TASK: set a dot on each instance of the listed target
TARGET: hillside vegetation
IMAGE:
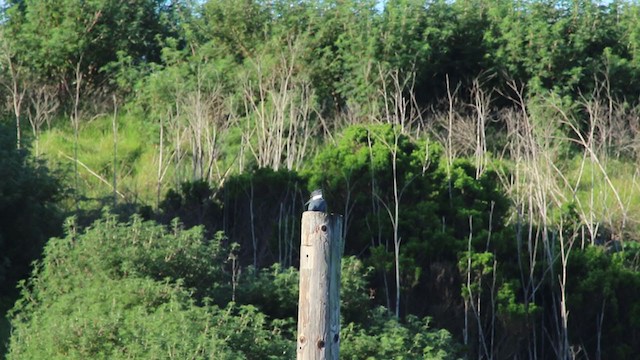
(483, 153)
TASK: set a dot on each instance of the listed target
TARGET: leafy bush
(358, 181)
(117, 319)
(193, 205)
(387, 338)
(135, 249)
(274, 290)
(604, 291)
(137, 290)
(435, 205)
(261, 212)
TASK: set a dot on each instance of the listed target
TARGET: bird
(316, 202)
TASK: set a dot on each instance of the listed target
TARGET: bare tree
(534, 190)
(476, 269)
(16, 84)
(114, 125)
(75, 122)
(563, 348)
(279, 105)
(461, 129)
(538, 187)
(481, 106)
(287, 223)
(401, 111)
(205, 112)
(174, 133)
(162, 166)
(44, 104)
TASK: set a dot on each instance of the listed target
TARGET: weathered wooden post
(319, 300)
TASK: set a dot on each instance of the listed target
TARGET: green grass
(136, 160)
(609, 200)
(610, 192)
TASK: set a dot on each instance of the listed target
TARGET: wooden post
(319, 300)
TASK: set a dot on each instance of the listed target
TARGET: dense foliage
(29, 213)
(484, 155)
(137, 289)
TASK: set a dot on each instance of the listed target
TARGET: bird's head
(316, 194)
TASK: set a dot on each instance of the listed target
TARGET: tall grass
(614, 204)
(135, 158)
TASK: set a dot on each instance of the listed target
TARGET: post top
(320, 214)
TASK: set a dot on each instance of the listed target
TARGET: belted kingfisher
(316, 202)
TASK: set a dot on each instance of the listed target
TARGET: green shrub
(137, 290)
(387, 338)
